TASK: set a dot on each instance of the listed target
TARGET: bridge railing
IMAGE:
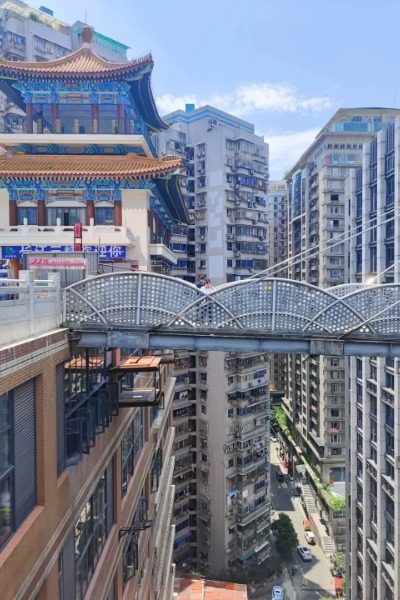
(257, 307)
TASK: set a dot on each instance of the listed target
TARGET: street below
(310, 580)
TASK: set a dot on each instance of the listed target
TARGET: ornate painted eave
(170, 188)
(142, 92)
(72, 167)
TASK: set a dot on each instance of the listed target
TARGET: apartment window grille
(373, 199)
(156, 469)
(90, 536)
(131, 447)
(389, 441)
(90, 402)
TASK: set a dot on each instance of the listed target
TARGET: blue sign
(104, 251)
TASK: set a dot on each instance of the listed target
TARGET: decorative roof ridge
(82, 52)
(59, 166)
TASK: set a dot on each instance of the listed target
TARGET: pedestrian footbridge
(152, 311)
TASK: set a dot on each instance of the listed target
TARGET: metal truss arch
(255, 308)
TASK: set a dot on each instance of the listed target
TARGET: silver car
(304, 553)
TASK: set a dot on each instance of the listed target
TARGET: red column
(121, 118)
(13, 213)
(118, 214)
(55, 116)
(29, 120)
(89, 211)
(41, 213)
(95, 118)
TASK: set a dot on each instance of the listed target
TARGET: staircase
(328, 545)
(309, 500)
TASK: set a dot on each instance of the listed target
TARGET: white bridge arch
(281, 315)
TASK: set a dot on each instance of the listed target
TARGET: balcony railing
(28, 306)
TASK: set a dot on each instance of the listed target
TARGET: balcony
(32, 237)
(138, 379)
(9, 140)
(160, 250)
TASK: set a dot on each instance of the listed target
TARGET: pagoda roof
(85, 64)
(67, 167)
(163, 172)
(82, 62)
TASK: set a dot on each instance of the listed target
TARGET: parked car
(277, 592)
(304, 553)
(273, 438)
(310, 537)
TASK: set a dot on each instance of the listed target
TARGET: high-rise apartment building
(374, 455)
(277, 213)
(226, 240)
(315, 399)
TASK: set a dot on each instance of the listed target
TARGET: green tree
(339, 563)
(286, 536)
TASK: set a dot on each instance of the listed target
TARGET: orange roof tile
(82, 61)
(56, 167)
(138, 363)
(201, 589)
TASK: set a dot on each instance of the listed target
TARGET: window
(28, 213)
(104, 216)
(131, 446)
(67, 215)
(156, 469)
(90, 536)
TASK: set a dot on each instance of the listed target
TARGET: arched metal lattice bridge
(147, 310)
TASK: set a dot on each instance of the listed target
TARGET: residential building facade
(315, 400)
(277, 211)
(226, 240)
(374, 542)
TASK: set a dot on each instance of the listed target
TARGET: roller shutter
(24, 449)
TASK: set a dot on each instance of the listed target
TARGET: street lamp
(135, 528)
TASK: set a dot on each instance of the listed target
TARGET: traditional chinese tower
(87, 157)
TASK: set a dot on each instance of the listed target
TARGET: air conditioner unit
(251, 171)
(202, 237)
(236, 186)
(213, 122)
(237, 254)
(237, 202)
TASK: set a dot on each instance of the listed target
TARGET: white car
(310, 537)
(274, 438)
(304, 553)
(277, 592)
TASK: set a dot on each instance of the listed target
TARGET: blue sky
(285, 65)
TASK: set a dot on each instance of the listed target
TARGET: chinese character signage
(104, 251)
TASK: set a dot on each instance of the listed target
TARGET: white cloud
(286, 148)
(251, 97)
